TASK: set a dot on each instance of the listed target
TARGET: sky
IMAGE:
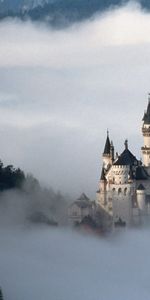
(59, 92)
(61, 89)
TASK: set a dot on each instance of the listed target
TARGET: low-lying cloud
(43, 263)
(36, 45)
(61, 90)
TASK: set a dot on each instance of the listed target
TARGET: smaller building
(81, 208)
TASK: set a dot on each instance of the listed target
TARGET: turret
(140, 193)
(112, 151)
(126, 144)
(102, 185)
(108, 154)
(146, 134)
(101, 193)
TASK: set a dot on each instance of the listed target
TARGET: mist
(52, 264)
(33, 205)
(61, 90)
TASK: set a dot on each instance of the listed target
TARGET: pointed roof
(83, 201)
(83, 197)
(141, 187)
(141, 173)
(131, 176)
(146, 117)
(107, 145)
(126, 158)
(103, 174)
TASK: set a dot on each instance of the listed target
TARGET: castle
(124, 186)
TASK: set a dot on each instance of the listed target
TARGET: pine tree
(1, 295)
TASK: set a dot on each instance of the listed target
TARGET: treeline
(36, 203)
(1, 295)
(10, 177)
(44, 205)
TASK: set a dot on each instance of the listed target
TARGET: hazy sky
(61, 90)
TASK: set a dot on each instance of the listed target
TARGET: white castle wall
(146, 160)
(146, 184)
(122, 201)
(141, 200)
(118, 174)
(107, 160)
(146, 138)
(122, 209)
(146, 147)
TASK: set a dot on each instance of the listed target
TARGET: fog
(61, 90)
(44, 264)
(32, 204)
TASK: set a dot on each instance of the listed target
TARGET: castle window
(113, 190)
(74, 213)
(125, 191)
(119, 191)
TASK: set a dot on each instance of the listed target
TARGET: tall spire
(146, 134)
(112, 150)
(126, 144)
(107, 132)
(103, 174)
(107, 144)
(146, 117)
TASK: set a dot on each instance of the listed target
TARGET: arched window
(119, 191)
(125, 191)
(113, 190)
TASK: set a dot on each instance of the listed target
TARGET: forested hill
(38, 204)
(59, 12)
(10, 177)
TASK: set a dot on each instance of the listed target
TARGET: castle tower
(140, 192)
(108, 154)
(146, 134)
(102, 187)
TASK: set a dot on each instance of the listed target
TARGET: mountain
(59, 12)
(15, 6)
(62, 12)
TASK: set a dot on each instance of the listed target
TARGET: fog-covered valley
(59, 92)
(39, 263)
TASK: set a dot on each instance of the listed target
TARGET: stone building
(124, 186)
(80, 209)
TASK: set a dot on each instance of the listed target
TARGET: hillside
(38, 204)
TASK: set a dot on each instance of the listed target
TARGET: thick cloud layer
(61, 90)
(28, 45)
(44, 264)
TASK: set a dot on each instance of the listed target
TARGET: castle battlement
(124, 185)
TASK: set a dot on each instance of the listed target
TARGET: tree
(1, 294)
